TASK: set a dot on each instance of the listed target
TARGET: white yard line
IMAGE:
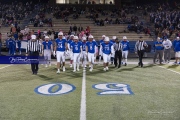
(169, 69)
(4, 67)
(83, 97)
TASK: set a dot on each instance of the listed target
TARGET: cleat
(70, 65)
(46, 65)
(77, 69)
(90, 70)
(64, 69)
(104, 69)
(74, 70)
(58, 72)
(107, 68)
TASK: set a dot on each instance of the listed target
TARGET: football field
(128, 93)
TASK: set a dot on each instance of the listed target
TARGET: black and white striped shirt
(118, 46)
(140, 45)
(34, 46)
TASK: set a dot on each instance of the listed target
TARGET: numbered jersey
(91, 46)
(83, 46)
(61, 45)
(47, 45)
(76, 47)
(125, 45)
(106, 48)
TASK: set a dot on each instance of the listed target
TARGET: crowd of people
(13, 13)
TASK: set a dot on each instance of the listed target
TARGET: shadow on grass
(44, 77)
(173, 66)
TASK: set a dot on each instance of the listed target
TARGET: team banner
(22, 60)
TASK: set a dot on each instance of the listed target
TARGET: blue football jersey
(106, 48)
(91, 46)
(47, 45)
(125, 45)
(61, 44)
(83, 46)
(76, 47)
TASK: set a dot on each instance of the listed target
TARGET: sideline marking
(4, 67)
(83, 97)
(169, 69)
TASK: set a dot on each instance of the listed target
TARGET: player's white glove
(86, 53)
(54, 53)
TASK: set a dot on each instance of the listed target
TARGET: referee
(34, 48)
(140, 49)
(118, 52)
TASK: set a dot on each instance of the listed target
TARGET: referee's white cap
(33, 37)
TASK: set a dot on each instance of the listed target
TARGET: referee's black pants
(140, 54)
(118, 55)
(34, 65)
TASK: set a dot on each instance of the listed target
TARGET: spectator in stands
(71, 28)
(66, 19)
(39, 33)
(75, 28)
(45, 32)
(80, 28)
(41, 24)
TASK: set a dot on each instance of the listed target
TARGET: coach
(34, 48)
(158, 50)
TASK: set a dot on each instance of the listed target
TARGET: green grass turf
(1, 66)
(18, 100)
(156, 94)
(173, 67)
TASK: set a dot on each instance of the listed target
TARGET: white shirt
(167, 44)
